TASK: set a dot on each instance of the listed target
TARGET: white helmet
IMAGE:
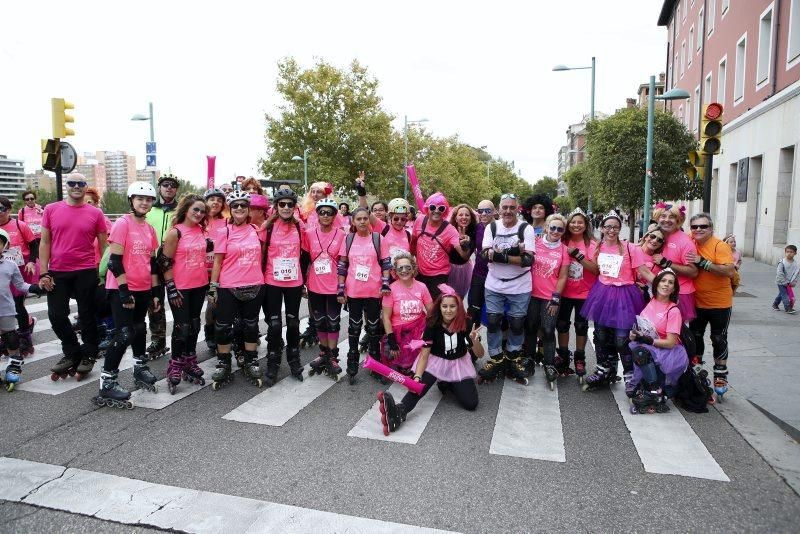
(5, 238)
(235, 195)
(327, 203)
(398, 205)
(142, 189)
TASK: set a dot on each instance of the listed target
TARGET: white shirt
(505, 239)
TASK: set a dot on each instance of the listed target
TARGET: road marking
(528, 423)
(136, 502)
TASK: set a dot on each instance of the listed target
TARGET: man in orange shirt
(714, 295)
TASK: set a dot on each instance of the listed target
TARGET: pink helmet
(259, 202)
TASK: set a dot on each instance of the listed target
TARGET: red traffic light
(714, 111)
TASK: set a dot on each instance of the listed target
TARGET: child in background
(786, 278)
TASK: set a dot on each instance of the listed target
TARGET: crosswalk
(528, 422)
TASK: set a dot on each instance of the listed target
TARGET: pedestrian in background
(786, 278)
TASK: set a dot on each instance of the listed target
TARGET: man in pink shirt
(68, 268)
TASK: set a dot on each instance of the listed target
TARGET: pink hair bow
(447, 290)
(415, 344)
(328, 188)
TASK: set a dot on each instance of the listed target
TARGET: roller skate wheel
(201, 381)
(10, 387)
(216, 386)
(71, 372)
(258, 382)
(552, 386)
(172, 388)
(335, 378)
(586, 386)
(634, 410)
(54, 377)
(79, 376)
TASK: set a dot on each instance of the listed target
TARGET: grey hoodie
(787, 272)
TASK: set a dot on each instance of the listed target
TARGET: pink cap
(259, 201)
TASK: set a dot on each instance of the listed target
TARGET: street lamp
(140, 117)
(672, 94)
(560, 68)
(304, 159)
(405, 144)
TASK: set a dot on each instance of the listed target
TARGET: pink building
(745, 55)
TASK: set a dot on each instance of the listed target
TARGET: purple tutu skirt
(613, 306)
(404, 333)
(460, 278)
(450, 370)
(686, 306)
(672, 362)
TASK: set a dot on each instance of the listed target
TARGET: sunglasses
(239, 206)
(699, 226)
(404, 269)
(655, 237)
(400, 219)
(557, 229)
(504, 196)
(285, 204)
(170, 185)
(199, 210)
(29, 199)
(3, 209)
(434, 207)
(611, 228)
(73, 183)
(326, 213)
(485, 211)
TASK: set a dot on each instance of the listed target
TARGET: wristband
(665, 263)
(46, 275)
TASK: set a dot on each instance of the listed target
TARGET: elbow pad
(209, 245)
(341, 268)
(115, 264)
(153, 265)
(34, 248)
(164, 262)
(386, 264)
(526, 260)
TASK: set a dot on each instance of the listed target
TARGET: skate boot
(3, 349)
(317, 365)
(648, 400)
(552, 374)
(332, 368)
(65, 366)
(26, 340)
(720, 381)
(529, 364)
(273, 364)
(111, 393)
(561, 362)
(222, 374)
(157, 348)
(174, 373)
(630, 389)
(309, 337)
(76, 323)
(392, 415)
(493, 368)
(580, 365)
(515, 367)
(13, 373)
(353, 356)
(142, 376)
(84, 368)
(363, 344)
(293, 359)
(251, 369)
(106, 339)
(602, 376)
(210, 343)
(191, 371)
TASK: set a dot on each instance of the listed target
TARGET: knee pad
(292, 322)
(11, 339)
(563, 327)
(581, 327)
(123, 336)
(374, 328)
(474, 313)
(275, 325)
(602, 337)
(495, 321)
(195, 325)
(250, 330)
(182, 331)
(223, 333)
(621, 344)
(718, 340)
(320, 322)
(334, 324)
(354, 328)
(642, 356)
(517, 325)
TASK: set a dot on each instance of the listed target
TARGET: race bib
(209, 260)
(575, 270)
(15, 254)
(322, 266)
(609, 264)
(285, 270)
(362, 273)
(35, 228)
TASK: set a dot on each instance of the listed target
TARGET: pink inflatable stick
(391, 374)
(212, 163)
(412, 179)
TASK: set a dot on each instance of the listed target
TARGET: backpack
(376, 242)
(693, 390)
(434, 236)
(521, 237)
(386, 229)
(269, 240)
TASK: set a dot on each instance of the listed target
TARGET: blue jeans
(783, 296)
(517, 307)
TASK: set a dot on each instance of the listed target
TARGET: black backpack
(376, 242)
(434, 236)
(694, 388)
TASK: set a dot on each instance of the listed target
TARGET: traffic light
(51, 155)
(695, 165)
(60, 118)
(711, 129)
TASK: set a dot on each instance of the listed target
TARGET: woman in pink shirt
(465, 222)
(676, 253)
(237, 289)
(133, 287)
(659, 357)
(404, 311)
(549, 273)
(363, 271)
(651, 243)
(31, 213)
(308, 214)
(613, 303)
(582, 273)
(323, 244)
(215, 219)
(183, 264)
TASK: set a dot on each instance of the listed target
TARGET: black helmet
(214, 192)
(284, 194)
(169, 178)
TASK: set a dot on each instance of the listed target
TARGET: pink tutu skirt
(613, 306)
(686, 306)
(450, 370)
(672, 362)
(460, 278)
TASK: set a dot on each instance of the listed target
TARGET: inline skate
(648, 400)
(174, 373)
(192, 372)
(515, 367)
(66, 366)
(392, 414)
(111, 393)
(157, 348)
(251, 369)
(293, 359)
(222, 374)
(561, 362)
(309, 337)
(580, 365)
(353, 356)
(494, 367)
(602, 376)
(13, 373)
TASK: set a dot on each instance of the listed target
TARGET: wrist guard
(125, 295)
(172, 290)
(385, 283)
(361, 190)
(341, 267)
(644, 340)
(36, 290)
(703, 263)
(391, 340)
(500, 257)
(665, 263)
(340, 290)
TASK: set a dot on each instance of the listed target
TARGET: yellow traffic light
(711, 129)
(51, 154)
(695, 165)
(60, 118)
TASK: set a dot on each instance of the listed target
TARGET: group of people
(526, 272)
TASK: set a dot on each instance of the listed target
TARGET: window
(685, 5)
(725, 6)
(722, 80)
(677, 65)
(670, 80)
(690, 48)
(696, 117)
(700, 34)
(707, 98)
(687, 120)
(793, 49)
(764, 47)
(680, 114)
(683, 58)
(712, 13)
(738, 81)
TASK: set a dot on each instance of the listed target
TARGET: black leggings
(186, 325)
(465, 391)
(23, 319)
(432, 283)
(290, 297)
(229, 307)
(371, 307)
(538, 317)
(477, 298)
(718, 319)
(130, 328)
(81, 286)
(325, 311)
(565, 314)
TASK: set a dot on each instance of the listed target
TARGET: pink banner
(412, 179)
(212, 163)
(391, 374)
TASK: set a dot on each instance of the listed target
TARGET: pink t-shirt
(138, 242)
(19, 235)
(648, 262)
(616, 270)
(433, 257)
(323, 247)
(212, 228)
(397, 241)
(547, 267)
(579, 280)
(33, 218)
(189, 270)
(283, 256)
(676, 246)
(363, 270)
(407, 303)
(241, 245)
(665, 316)
(73, 230)
(98, 254)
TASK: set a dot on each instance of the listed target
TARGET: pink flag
(212, 162)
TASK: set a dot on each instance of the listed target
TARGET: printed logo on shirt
(575, 270)
(546, 264)
(409, 309)
(249, 255)
(140, 248)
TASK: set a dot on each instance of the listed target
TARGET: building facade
(12, 177)
(746, 56)
(120, 170)
(40, 180)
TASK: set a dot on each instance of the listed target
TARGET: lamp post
(405, 145)
(560, 68)
(149, 117)
(672, 94)
(304, 159)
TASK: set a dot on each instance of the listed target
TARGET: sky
(480, 70)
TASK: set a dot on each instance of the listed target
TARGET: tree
(114, 203)
(546, 186)
(186, 187)
(565, 204)
(43, 198)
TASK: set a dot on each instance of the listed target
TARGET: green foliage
(186, 187)
(114, 203)
(547, 186)
(565, 204)
(43, 198)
